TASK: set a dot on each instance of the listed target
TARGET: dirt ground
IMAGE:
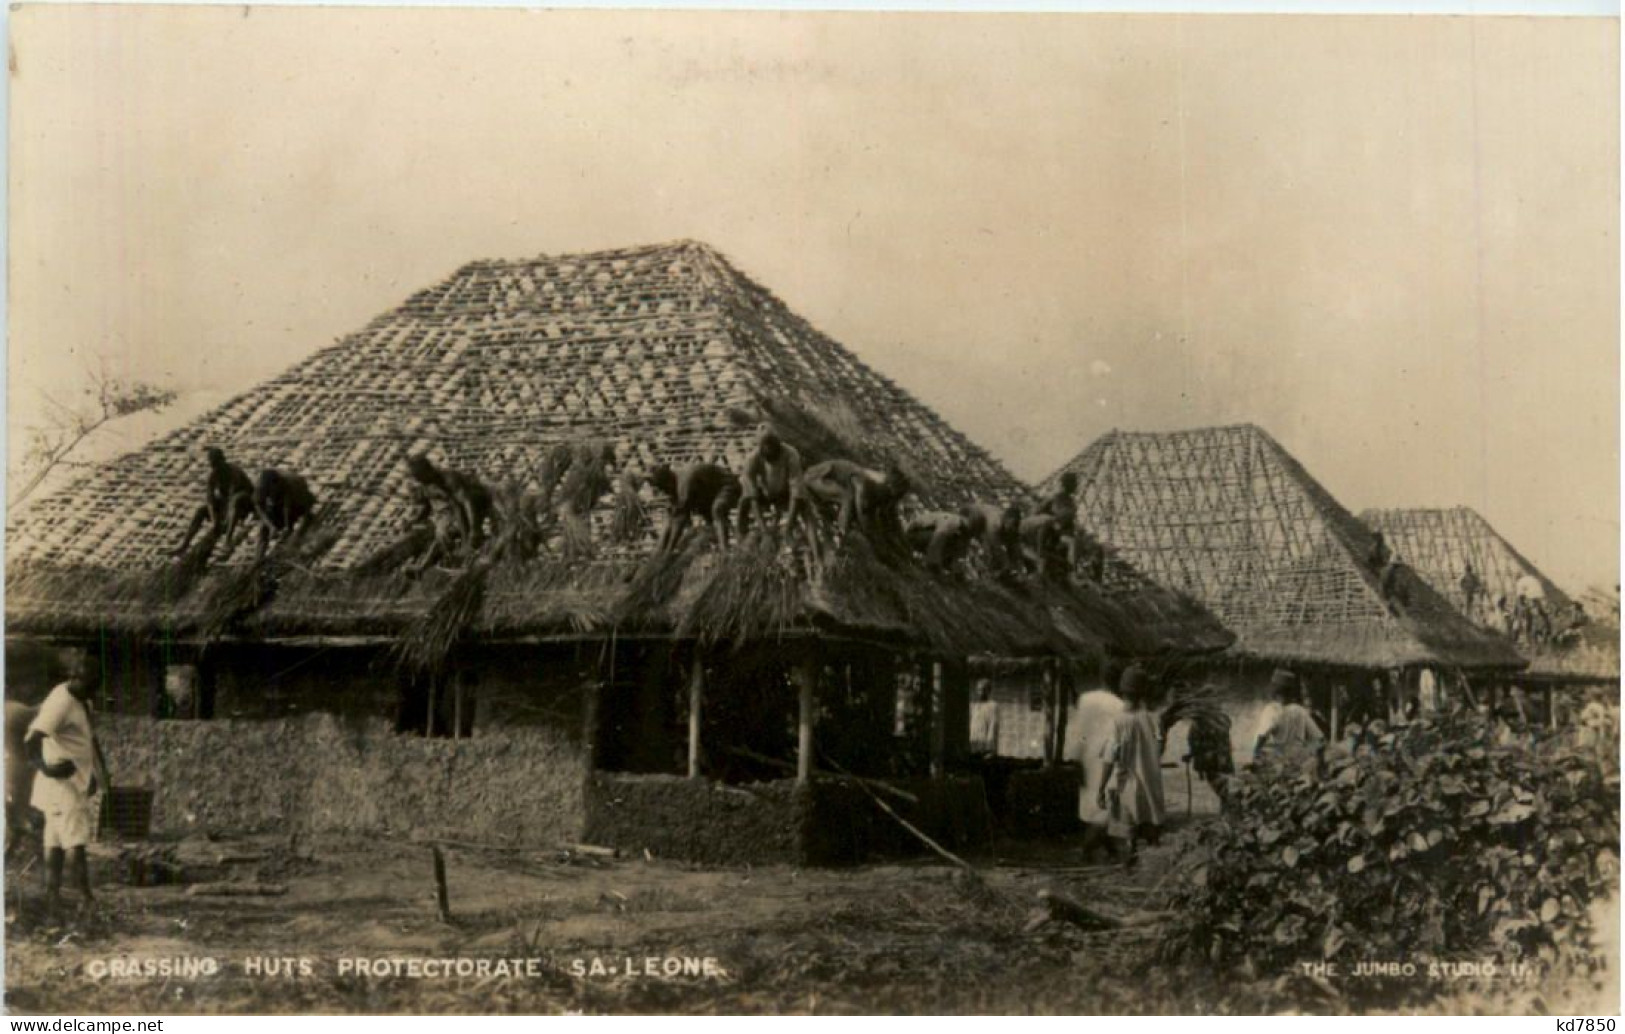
(906, 937)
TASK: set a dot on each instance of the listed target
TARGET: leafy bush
(1431, 844)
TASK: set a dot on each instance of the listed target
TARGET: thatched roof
(1226, 515)
(669, 354)
(1439, 544)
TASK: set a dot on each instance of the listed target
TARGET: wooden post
(939, 724)
(457, 706)
(696, 690)
(428, 725)
(1551, 709)
(956, 704)
(925, 706)
(805, 674)
(1054, 713)
(1336, 692)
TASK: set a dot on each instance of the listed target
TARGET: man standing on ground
(1131, 785)
(984, 720)
(62, 748)
(1294, 732)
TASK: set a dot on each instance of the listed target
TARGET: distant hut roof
(666, 352)
(1440, 543)
(1226, 515)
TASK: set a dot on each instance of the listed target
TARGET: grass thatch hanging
(239, 592)
(243, 591)
(752, 591)
(172, 581)
(657, 581)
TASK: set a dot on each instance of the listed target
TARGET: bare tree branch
(49, 446)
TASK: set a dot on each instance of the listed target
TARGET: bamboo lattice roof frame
(1228, 516)
(668, 352)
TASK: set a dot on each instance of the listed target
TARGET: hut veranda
(1228, 516)
(571, 681)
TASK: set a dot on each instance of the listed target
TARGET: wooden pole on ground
(442, 899)
(805, 674)
(696, 691)
(428, 726)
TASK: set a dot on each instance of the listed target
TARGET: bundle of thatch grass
(630, 520)
(425, 647)
(551, 593)
(814, 439)
(583, 472)
(170, 582)
(1199, 705)
(752, 591)
(395, 556)
(872, 583)
(242, 591)
(656, 582)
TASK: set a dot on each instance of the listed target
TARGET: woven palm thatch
(664, 354)
(1439, 544)
(1226, 515)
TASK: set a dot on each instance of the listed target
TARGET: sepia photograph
(791, 512)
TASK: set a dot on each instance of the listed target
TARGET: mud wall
(1041, 801)
(825, 822)
(320, 773)
(695, 820)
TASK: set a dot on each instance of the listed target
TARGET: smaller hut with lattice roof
(1487, 579)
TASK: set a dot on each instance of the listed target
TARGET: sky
(1390, 241)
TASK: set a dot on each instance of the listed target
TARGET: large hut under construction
(1483, 576)
(573, 682)
(1227, 516)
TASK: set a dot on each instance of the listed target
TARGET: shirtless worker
(772, 481)
(944, 538)
(1001, 535)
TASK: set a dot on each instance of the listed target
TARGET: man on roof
(1472, 590)
(772, 482)
(1530, 609)
(944, 539)
(1063, 502)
